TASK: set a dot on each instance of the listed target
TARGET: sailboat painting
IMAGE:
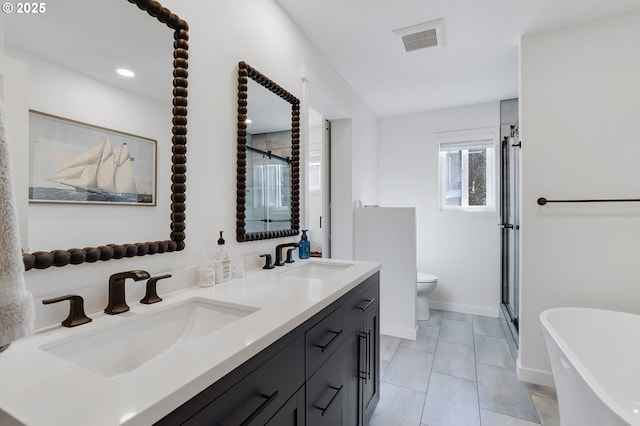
(73, 162)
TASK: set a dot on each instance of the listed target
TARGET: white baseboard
(397, 331)
(465, 309)
(531, 375)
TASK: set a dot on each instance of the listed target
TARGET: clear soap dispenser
(305, 246)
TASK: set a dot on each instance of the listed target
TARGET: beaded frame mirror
(75, 256)
(246, 72)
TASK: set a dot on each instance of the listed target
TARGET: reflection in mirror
(268, 158)
(268, 203)
(71, 48)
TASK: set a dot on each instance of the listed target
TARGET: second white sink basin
(130, 343)
(315, 270)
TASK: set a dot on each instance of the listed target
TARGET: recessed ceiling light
(125, 72)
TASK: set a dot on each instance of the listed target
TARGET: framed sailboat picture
(74, 162)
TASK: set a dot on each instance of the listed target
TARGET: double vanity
(294, 345)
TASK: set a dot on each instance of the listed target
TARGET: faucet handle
(151, 295)
(76, 310)
(290, 255)
(267, 264)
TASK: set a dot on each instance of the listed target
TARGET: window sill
(466, 212)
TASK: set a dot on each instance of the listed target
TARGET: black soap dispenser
(304, 252)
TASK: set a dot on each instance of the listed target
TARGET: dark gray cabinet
(362, 346)
(324, 372)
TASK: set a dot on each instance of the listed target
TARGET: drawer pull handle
(336, 334)
(338, 390)
(368, 303)
(260, 409)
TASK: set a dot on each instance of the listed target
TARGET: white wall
(580, 103)
(13, 91)
(222, 33)
(314, 202)
(365, 158)
(379, 239)
(260, 33)
(354, 161)
(2, 35)
(342, 193)
(462, 249)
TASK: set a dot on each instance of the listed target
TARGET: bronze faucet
(279, 247)
(117, 302)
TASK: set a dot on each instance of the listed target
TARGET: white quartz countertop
(39, 388)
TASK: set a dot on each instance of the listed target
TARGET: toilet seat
(423, 277)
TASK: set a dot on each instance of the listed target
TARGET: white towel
(16, 303)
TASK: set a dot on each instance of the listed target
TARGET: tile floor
(459, 372)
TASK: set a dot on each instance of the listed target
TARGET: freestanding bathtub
(595, 358)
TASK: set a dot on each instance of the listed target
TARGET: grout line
(513, 417)
(475, 365)
(433, 361)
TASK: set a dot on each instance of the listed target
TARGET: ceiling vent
(421, 36)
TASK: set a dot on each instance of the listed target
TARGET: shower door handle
(505, 225)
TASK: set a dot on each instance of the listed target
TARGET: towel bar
(542, 201)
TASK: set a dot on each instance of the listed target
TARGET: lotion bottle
(222, 262)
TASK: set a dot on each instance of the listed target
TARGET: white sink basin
(130, 343)
(315, 270)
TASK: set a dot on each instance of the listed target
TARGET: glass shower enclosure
(510, 227)
(268, 193)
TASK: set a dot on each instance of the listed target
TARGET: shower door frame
(510, 227)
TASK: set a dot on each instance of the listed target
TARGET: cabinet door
(362, 351)
(363, 376)
(326, 392)
(354, 354)
(371, 367)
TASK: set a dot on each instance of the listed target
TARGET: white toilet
(426, 283)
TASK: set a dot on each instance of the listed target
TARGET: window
(467, 172)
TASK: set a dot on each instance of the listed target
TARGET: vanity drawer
(322, 340)
(359, 304)
(258, 396)
(326, 392)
